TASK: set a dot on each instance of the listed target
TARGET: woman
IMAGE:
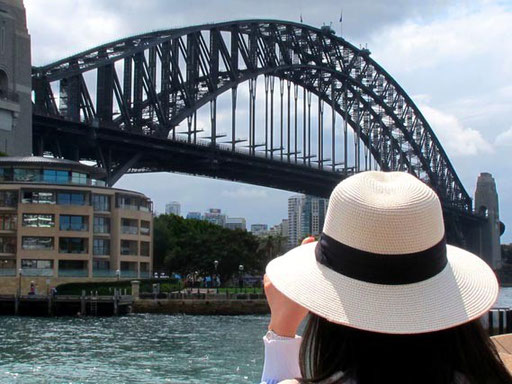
(388, 300)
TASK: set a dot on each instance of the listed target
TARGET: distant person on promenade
(388, 300)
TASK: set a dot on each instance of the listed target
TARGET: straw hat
(382, 263)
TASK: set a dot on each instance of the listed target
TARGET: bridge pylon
(487, 205)
(15, 80)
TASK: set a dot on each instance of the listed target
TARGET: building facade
(15, 80)
(259, 229)
(60, 223)
(295, 206)
(306, 216)
(173, 208)
(215, 216)
(194, 215)
(236, 223)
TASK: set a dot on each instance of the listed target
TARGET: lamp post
(20, 273)
(241, 276)
(216, 264)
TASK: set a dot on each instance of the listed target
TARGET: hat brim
(463, 291)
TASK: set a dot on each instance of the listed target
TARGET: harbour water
(136, 349)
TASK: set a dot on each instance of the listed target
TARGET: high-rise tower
(15, 80)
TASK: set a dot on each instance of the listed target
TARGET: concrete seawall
(202, 307)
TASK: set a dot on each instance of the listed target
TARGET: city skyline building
(194, 215)
(236, 223)
(215, 216)
(306, 216)
(173, 208)
(295, 206)
(259, 229)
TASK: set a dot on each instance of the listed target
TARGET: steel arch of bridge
(149, 84)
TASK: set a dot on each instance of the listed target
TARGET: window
(30, 175)
(72, 245)
(8, 222)
(7, 245)
(56, 177)
(71, 198)
(101, 224)
(144, 227)
(101, 203)
(128, 202)
(38, 197)
(6, 174)
(73, 223)
(101, 247)
(101, 265)
(128, 269)
(38, 220)
(73, 268)
(8, 198)
(37, 264)
(144, 267)
(146, 205)
(37, 243)
(144, 248)
(129, 226)
(78, 178)
(129, 247)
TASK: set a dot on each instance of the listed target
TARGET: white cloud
(245, 193)
(504, 139)
(456, 139)
(461, 35)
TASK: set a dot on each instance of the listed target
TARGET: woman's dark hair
(368, 357)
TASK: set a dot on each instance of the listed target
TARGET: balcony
(129, 230)
(73, 273)
(33, 272)
(128, 273)
(144, 231)
(145, 275)
(74, 227)
(7, 272)
(103, 273)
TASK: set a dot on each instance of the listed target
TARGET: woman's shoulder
(293, 381)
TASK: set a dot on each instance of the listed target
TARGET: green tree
(186, 246)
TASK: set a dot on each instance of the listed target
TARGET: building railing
(103, 273)
(73, 273)
(130, 230)
(130, 207)
(4, 272)
(128, 273)
(74, 227)
(101, 229)
(40, 179)
(144, 231)
(145, 275)
(101, 251)
(37, 272)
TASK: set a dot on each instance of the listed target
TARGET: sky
(452, 57)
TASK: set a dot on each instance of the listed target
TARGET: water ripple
(132, 349)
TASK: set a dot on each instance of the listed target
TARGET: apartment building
(59, 222)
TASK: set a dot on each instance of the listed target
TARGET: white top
(281, 359)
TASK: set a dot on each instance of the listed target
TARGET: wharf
(65, 305)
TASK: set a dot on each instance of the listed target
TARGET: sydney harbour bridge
(272, 103)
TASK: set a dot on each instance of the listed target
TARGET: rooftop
(50, 162)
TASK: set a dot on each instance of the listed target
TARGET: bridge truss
(314, 106)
